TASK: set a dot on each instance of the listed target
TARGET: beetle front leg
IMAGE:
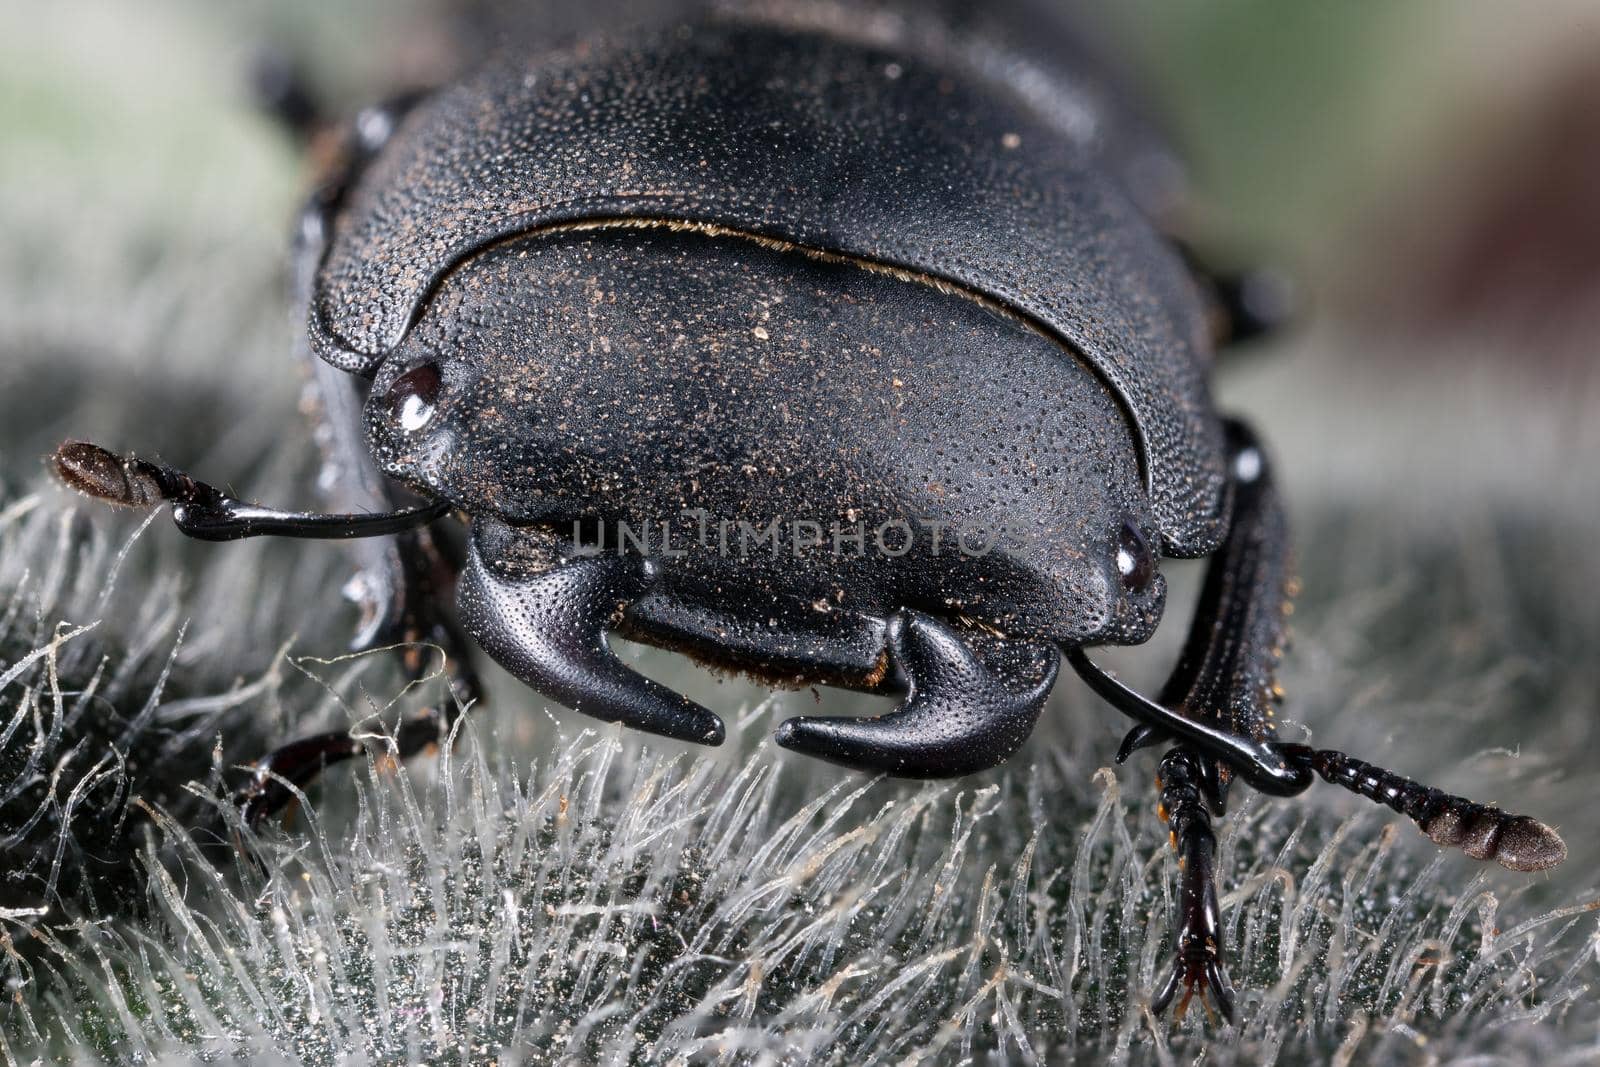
(403, 583)
(1218, 706)
(302, 761)
(205, 512)
(1219, 699)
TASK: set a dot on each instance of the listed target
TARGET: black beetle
(813, 348)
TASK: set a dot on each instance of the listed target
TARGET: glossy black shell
(827, 143)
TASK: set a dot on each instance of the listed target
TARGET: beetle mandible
(816, 349)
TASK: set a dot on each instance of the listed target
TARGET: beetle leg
(281, 90)
(1219, 699)
(1244, 304)
(298, 762)
(1139, 736)
(1265, 766)
(402, 583)
(964, 711)
(549, 629)
(1218, 706)
(1197, 964)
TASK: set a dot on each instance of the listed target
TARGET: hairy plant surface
(557, 896)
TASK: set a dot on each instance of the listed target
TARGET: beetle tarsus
(1197, 942)
(1217, 707)
(966, 710)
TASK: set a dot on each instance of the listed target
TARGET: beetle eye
(1135, 562)
(414, 396)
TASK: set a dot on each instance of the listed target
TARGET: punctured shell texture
(643, 375)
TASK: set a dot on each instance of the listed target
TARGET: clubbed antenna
(95, 472)
(206, 512)
(1517, 842)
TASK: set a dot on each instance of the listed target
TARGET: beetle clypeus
(815, 348)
